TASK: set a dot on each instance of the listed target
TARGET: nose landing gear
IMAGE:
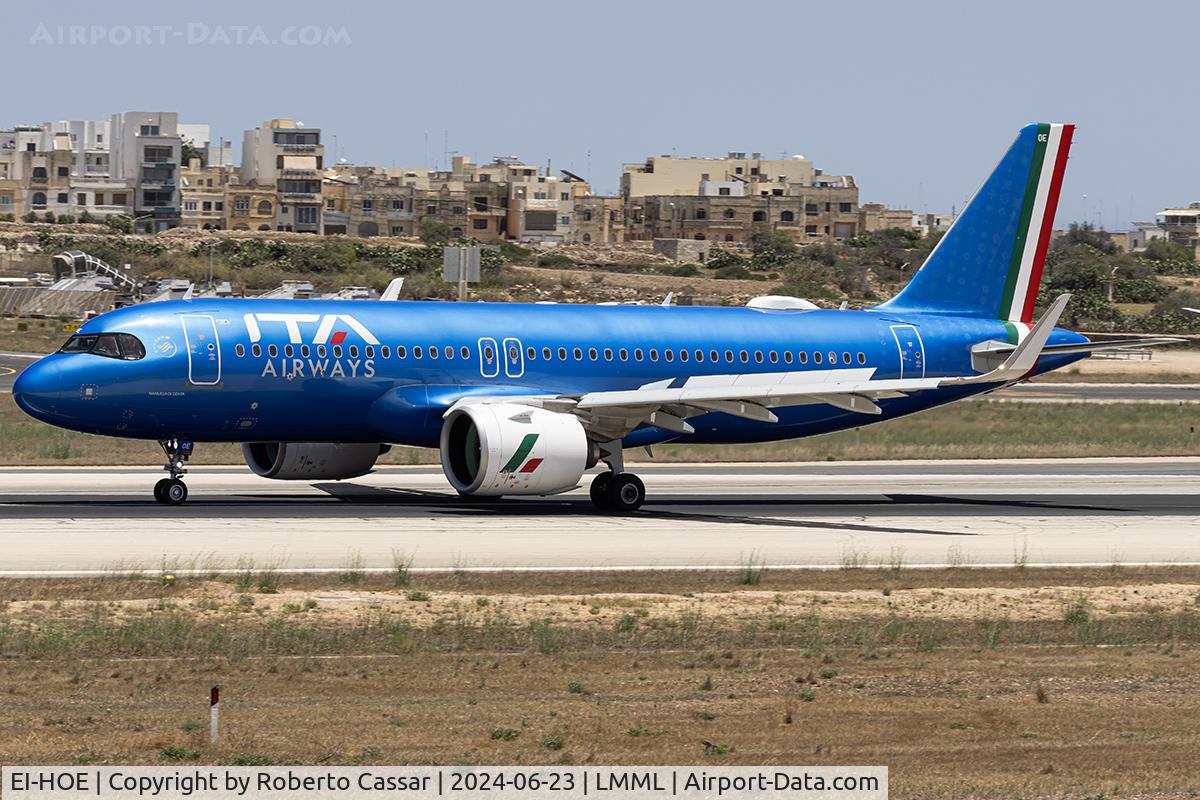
(173, 491)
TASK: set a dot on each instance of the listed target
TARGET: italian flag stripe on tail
(1036, 221)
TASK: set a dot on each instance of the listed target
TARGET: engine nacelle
(508, 448)
(292, 461)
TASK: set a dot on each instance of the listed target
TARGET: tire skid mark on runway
(791, 523)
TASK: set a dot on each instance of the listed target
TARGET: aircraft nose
(37, 389)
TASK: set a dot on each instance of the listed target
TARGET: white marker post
(214, 700)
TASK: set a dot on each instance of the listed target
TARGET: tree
(434, 232)
(771, 248)
(188, 151)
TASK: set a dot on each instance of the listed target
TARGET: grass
(972, 693)
(972, 429)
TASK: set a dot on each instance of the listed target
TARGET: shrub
(505, 734)
(552, 742)
(178, 754)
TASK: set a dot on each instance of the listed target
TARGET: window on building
(787, 216)
(738, 170)
(330, 204)
(368, 204)
(156, 154)
(727, 213)
(39, 173)
(564, 220)
(845, 208)
(39, 200)
(811, 230)
(479, 224)
(564, 196)
(189, 205)
(264, 208)
(723, 190)
(64, 172)
(430, 209)
(760, 216)
(119, 199)
(397, 230)
(306, 215)
(63, 197)
(219, 205)
(148, 130)
(811, 209)
(81, 199)
(207, 205)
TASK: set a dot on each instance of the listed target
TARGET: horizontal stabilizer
(1025, 354)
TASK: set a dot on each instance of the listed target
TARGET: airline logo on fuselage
(325, 331)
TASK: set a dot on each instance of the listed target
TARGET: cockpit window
(124, 346)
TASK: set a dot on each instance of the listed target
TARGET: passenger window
(653, 354)
(353, 351)
(758, 356)
(845, 358)
(385, 352)
(546, 353)
(578, 354)
(862, 358)
(562, 354)
(683, 355)
(624, 354)
(416, 351)
(745, 356)
(370, 351)
(637, 354)
(304, 351)
(774, 357)
(608, 354)
(531, 353)
(669, 354)
(714, 356)
(432, 351)
(729, 356)
(699, 355)
(272, 351)
(817, 357)
(288, 350)
(803, 357)
(240, 350)
(449, 351)
(465, 352)
(401, 351)
(321, 351)
(592, 353)
(337, 350)
(832, 357)
(256, 351)
(787, 356)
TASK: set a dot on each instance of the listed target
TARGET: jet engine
(293, 461)
(508, 448)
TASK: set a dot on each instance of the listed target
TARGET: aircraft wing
(667, 404)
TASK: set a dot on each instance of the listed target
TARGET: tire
(599, 490)
(175, 492)
(159, 488)
(626, 493)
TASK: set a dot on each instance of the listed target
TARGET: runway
(1100, 393)
(1079, 511)
(11, 365)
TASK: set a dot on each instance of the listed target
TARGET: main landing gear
(617, 490)
(173, 491)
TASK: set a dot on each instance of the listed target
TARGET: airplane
(523, 399)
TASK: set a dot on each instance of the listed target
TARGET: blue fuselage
(336, 371)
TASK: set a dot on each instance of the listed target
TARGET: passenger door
(912, 351)
(203, 349)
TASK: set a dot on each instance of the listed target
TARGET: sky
(916, 100)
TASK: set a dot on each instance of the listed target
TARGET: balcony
(301, 197)
(299, 148)
(302, 174)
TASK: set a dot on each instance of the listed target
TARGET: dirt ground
(966, 683)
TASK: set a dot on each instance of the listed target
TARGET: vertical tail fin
(989, 264)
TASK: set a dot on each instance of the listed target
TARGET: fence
(42, 302)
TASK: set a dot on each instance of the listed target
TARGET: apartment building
(146, 150)
(1181, 225)
(730, 176)
(289, 156)
(598, 220)
(820, 213)
(249, 207)
(203, 196)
